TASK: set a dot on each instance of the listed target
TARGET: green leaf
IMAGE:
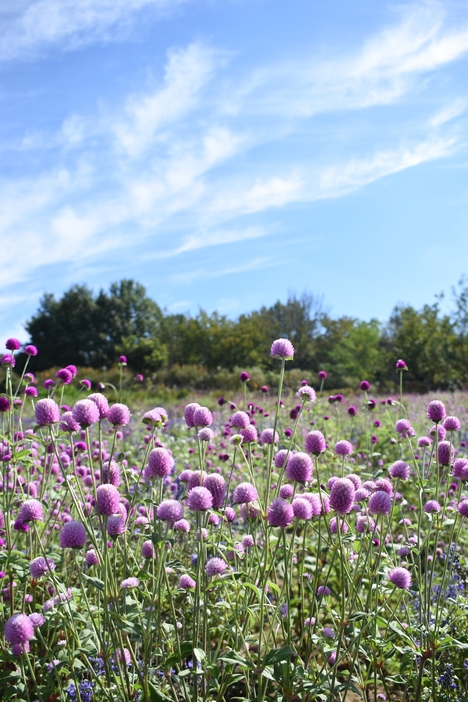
(279, 655)
(199, 654)
(155, 695)
(95, 582)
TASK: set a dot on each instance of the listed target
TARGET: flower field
(267, 546)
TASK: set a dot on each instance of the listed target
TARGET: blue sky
(227, 152)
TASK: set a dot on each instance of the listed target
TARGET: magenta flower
(4, 403)
(13, 344)
(460, 469)
(31, 511)
(343, 448)
(91, 557)
(280, 513)
(186, 582)
(19, 629)
(68, 423)
(436, 411)
(342, 495)
(445, 453)
(432, 506)
(47, 412)
(111, 473)
(302, 508)
(463, 508)
(249, 434)
(85, 413)
(156, 417)
(65, 375)
(199, 499)
(119, 415)
(245, 492)
(170, 511)
(306, 394)
(286, 491)
(30, 350)
(160, 463)
(73, 535)
(215, 566)
(147, 549)
(266, 437)
(299, 467)
(189, 411)
(129, 583)
(241, 420)
(315, 443)
(380, 502)
(364, 385)
(107, 500)
(40, 566)
(400, 577)
(282, 348)
(244, 377)
(216, 484)
(101, 402)
(452, 424)
(322, 375)
(202, 417)
(182, 525)
(400, 469)
(206, 434)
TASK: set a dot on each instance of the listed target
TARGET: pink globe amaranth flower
(202, 417)
(249, 434)
(250, 511)
(4, 403)
(241, 420)
(244, 377)
(343, 448)
(185, 475)
(111, 473)
(31, 511)
(384, 484)
(215, 566)
(364, 385)
(182, 525)
(85, 413)
(248, 541)
(117, 524)
(401, 365)
(186, 582)
(37, 619)
(315, 501)
(380, 502)
(306, 394)
(460, 469)
(280, 513)
(352, 411)
(148, 550)
(322, 375)
(400, 577)
(156, 417)
(199, 499)
(245, 492)
(282, 348)
(355, 479)
(365, 524)
(129, 583)
(73, 369)
(101, 403)
(30, 350)
(119, 415)
(403, 427)
(68, 423)
(436, 411)
(302, 508)
(123, 360)
(107, 500)
(280, 458)
(400, 470)
(170, 511)
(286, 491)
(216, 484)
(30, 391)
(424, 441)
(73, 535)
(19, 629)
(230, 514)
(206, 434)
(299, 467)
(13, 344)
(463, 508)
(46, 412)
(91, 557)
(342, 495)
(8, 359)
(334, 522)
(86, 383)
(189, 411)
(160, 463)
(40, 566)
(432, 506)
(65, 375)
(49, 383)
(445, 453)
(265, 389)
(452, 424)
(266, 437)
(315, 443)
(196, 479)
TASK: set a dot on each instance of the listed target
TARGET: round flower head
(364, 385)
(245, 492)
(343, 448)
(424, 441)
(365, 524)
(37, 619)
(13, 344)
(189, 411)
(117, 524)
(86, 383)
(286, 491)
(302, 508)
(322, 375)
(266, 437)
(248, 541)
(73, 535)
(91, 557)
(452, 424)
(40, 566)
(196, 479)
(107, 500)
(352, 411)
(400, 469)
(401, 365)
(147, 549)
(186, 582)
(282, 348)
(355, 479)
(119, 415)
(249, 434)
(241, 420)
(463, 508)
(111, 473)
(334, 523)
(244, 377)
(431, 506)
(47, 412)
(446, 453)
(85, 413)
(216, 484)
(280, 458)
(315, 443)
(199, 499)
(202, 417)
(73, 370)
(299, 467)
(170, 511)
(182, 525)
(436, 411)
(230, 514)
(265, 389)
(155, 417)
(342, 496)
(160, 463)
(4, 403)
(215, 566)
(384, 484)
(460, 468)
(306, 393)
(129, 583)
(380, 502)
(315, 501)
(19, 629)
(403, 427)
(400, 577)
(280, 513)
(68, 424)
(31, 511)
(206, 434)
(30, 350)
(440, 430)
(101, 402)
(8, 359)
(65, 375)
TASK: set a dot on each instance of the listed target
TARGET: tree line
(93, 329)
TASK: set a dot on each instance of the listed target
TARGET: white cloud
(254, 264)
(450, 112)
(207, 238)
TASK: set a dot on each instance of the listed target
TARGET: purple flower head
(73, 369)
(436, 411)
(302, 508)
(65, 375)
(306, 394)
(8, 359)
(129, 583)
(189, 411)
(245, 492)
(49, 383)
(352, 411)
(86, 383)
(424, 441)
(186, 582)
(30, 391)
(452, 424)
(101, 403)
(380, 502)
(182, 525)
(123, 360)
(403, 427)
(31, 511)
(460, 468)
(342, 495)
(280, 513)
(37, 619)
(199, 499)
(249, 434)
(365, 524)
(73, 535)
(111, 473)
(47, 412)
(170, 511)
(19, 629)
(343, 448)
(249, 510)
(244, 377)
(315, 443)
(446, 453)
(119, 415)
(85, 413)
(30, 350)
(107, 500)
(431, 506)
(286, 491)
(400, 577)
(147, 549)
(282, 348)
(206, 434)
(266, 437)
(265, 389)
(315, 501)
(155, 417)
(400, 469)
(91, 557)
(364, 385)
(202, 417)
(230, 514)
(280, 458)
(4, 403)
(323, 591)
(216, 484)
(215, 566)
(196, 478)
(160, 463)
(241, 420)
(463, 508)
(117, 524)
(401, 365)
(40, 566)
(440, 429)
(322, 375)
(221, 401)
(13, 344)
(68, 424)
(299, 467)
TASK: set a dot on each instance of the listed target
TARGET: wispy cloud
(449, 112)
(254, 264)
